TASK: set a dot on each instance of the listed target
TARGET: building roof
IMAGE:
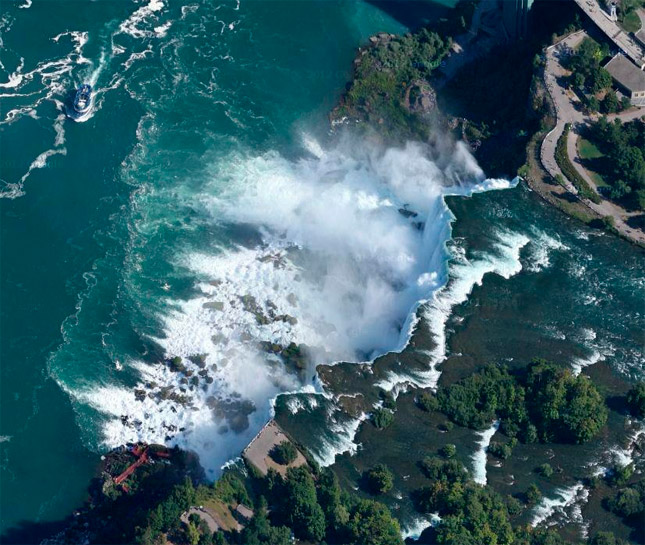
(626, 73)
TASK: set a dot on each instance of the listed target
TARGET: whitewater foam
(352, 240)
(567, 505)
(480, 455)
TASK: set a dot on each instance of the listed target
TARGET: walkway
(626, 43)
(568, 110)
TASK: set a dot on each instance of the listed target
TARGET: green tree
(427, 402)
(563, 407)
(192, 534)
(448, 451)
(610, 103)
(382, 418)
(284, 453)
(636, 400)
(378, 479)
(371, 523)
(545, 470)
(533, 494)
(300, 508)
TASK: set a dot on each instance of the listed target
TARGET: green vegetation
(562, 158)
(533, 494)
(284, 453)
(545, 470)
(428, 402)
(502, 451)
(379, 479)
(631, 22)
(629, 504)
(438, 469)
(472, 514)
(382, 418)
(636, 400)
(589, 78)
(623, 161)
(318, 510)
(389, 77)
(545, 403)
(448, 451)
(588, 150)
(627, 15)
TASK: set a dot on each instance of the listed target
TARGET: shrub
(621, 474)
(284, 453)
(382, 418)
(636, 400)
(562, 158)
(545, 470)
(443, 470)
(379, 479)
(448, 451)
(427, 402)
(533, 494)
(502, 451)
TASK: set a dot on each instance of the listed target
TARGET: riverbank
(569, 113)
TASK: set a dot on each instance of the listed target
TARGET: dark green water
(206, 174)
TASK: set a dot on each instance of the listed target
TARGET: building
(515, 16)
(629, 78)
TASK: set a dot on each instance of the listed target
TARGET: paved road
(202, 514)
(625, 42)
(568, 110)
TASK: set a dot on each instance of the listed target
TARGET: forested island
(170, 502)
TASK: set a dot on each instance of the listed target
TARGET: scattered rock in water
(140, 395)
(214, 305)
(407, 213)
(167, 393)
(199, 360)
(250, 304)
(219, 338)
(292, 355)
(292, 299)
(176, 365)
(235, 411)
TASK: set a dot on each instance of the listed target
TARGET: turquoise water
(205, 174)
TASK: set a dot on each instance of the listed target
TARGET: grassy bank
(570, 172)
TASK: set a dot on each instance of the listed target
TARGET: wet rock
(176, 365)
(250, 304)
(199, 360)
(140, 395)
(420, 98)
(407, 213)
(214, 305)
(218, 338)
